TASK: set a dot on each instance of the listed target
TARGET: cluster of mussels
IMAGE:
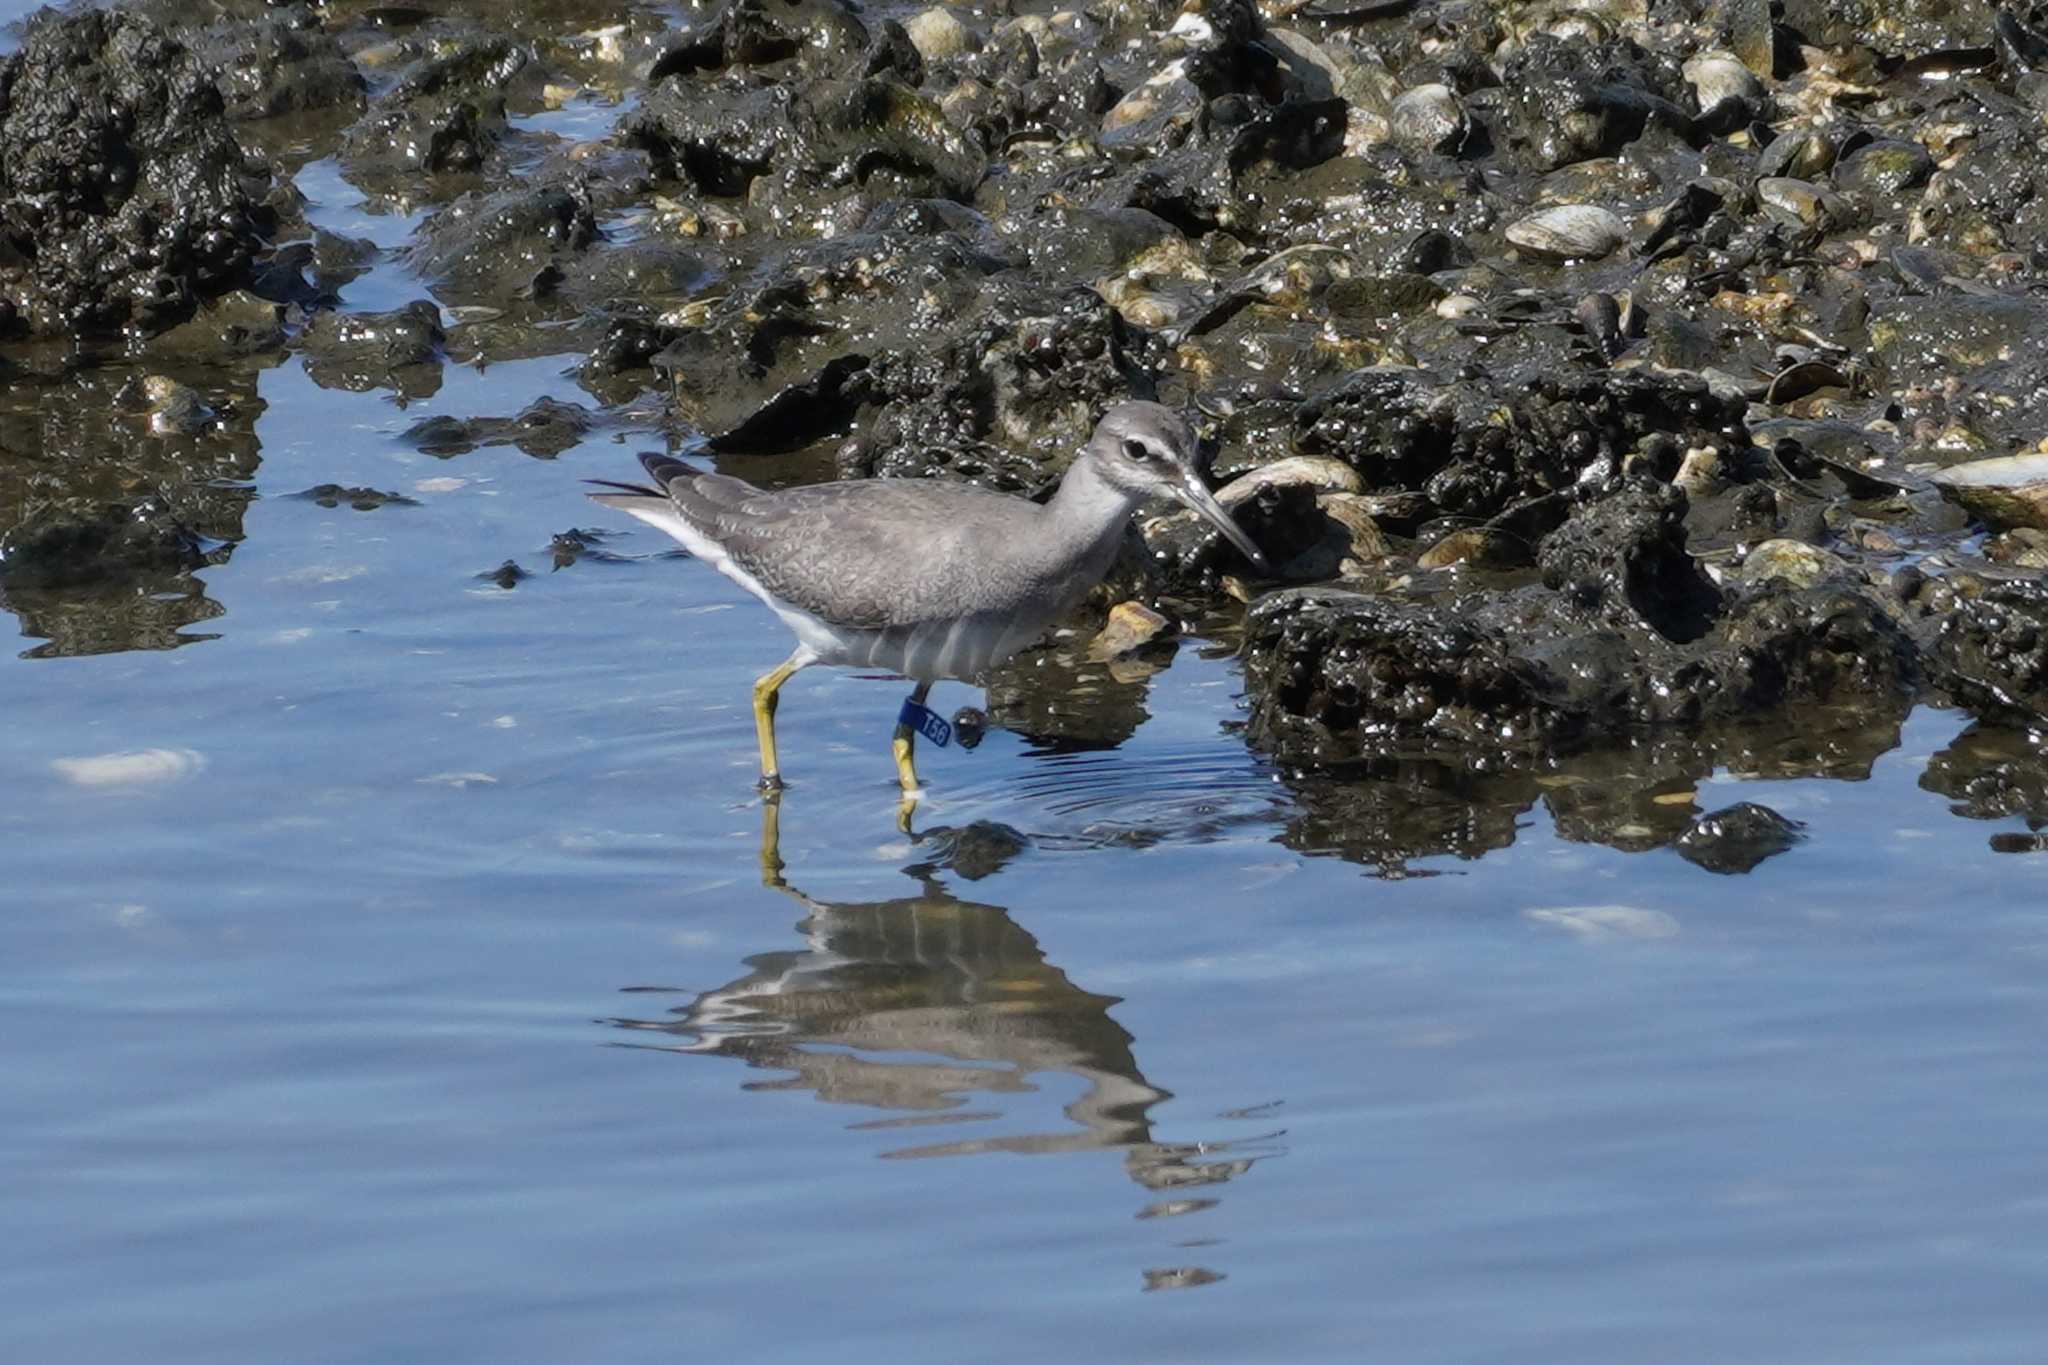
(1629, 375)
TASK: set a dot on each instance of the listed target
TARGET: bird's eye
(1138, 451)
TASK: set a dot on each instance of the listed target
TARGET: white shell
(1583, 232)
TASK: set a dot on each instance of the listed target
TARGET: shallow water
(394, 972)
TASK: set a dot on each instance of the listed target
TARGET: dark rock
(816, 37)
(1336, 676)
(649, 272)
(125, 201)
(1991, 653)
(629, 343)
(790, 358)
(1622, 557)
(1995, 195)
(507, 575)
(361, 499)
(1885, 166)
(236, 324)
(1737, 839)
(395, 140)
(1009, 397)
(1333, 674)
(1477, 445)
(544, 429)
(362, 351)
(717, 140)
(282, 63)
(1571, 101)
(721, 133)
(1187, 555)
(491, 247)
(1903, 28)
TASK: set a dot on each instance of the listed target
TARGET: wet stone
(362, 351)
(1894, 27)
(1991, 653)
(1737, 839)
(505, 244)
(1337, 676)
(1474, 445)
(2010, 492)
(544, 428)
(1792, 562)
(1131, 626)
(1887, 166)
(283, 63)
(361, 499)
(121, 177)
(1429, 118)
(1624, 556)
(1798, 203)
(508, 575)
(1572, 101)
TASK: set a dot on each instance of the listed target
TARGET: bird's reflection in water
(915, 1005)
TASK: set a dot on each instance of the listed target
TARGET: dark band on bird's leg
(905, 743)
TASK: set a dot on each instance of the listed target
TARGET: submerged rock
(361, 351)
(1737, 839)
(501, 245)
(544, 429)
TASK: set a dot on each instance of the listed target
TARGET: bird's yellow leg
(765, 690)
(905, 744)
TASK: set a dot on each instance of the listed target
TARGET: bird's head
(1149, 450)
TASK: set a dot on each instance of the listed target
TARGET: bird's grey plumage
(926, 578)
(870, 553)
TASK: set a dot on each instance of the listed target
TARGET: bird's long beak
(1192, 493)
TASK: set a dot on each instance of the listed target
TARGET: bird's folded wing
(870, 554)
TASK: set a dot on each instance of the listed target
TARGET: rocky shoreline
(1601, 377)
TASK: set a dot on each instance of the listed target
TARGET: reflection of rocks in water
(933, 976)
(107, 620)
(106, 509)
(1389, 811)
(1990, 772)
(1386, 812)
(1059, 697)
